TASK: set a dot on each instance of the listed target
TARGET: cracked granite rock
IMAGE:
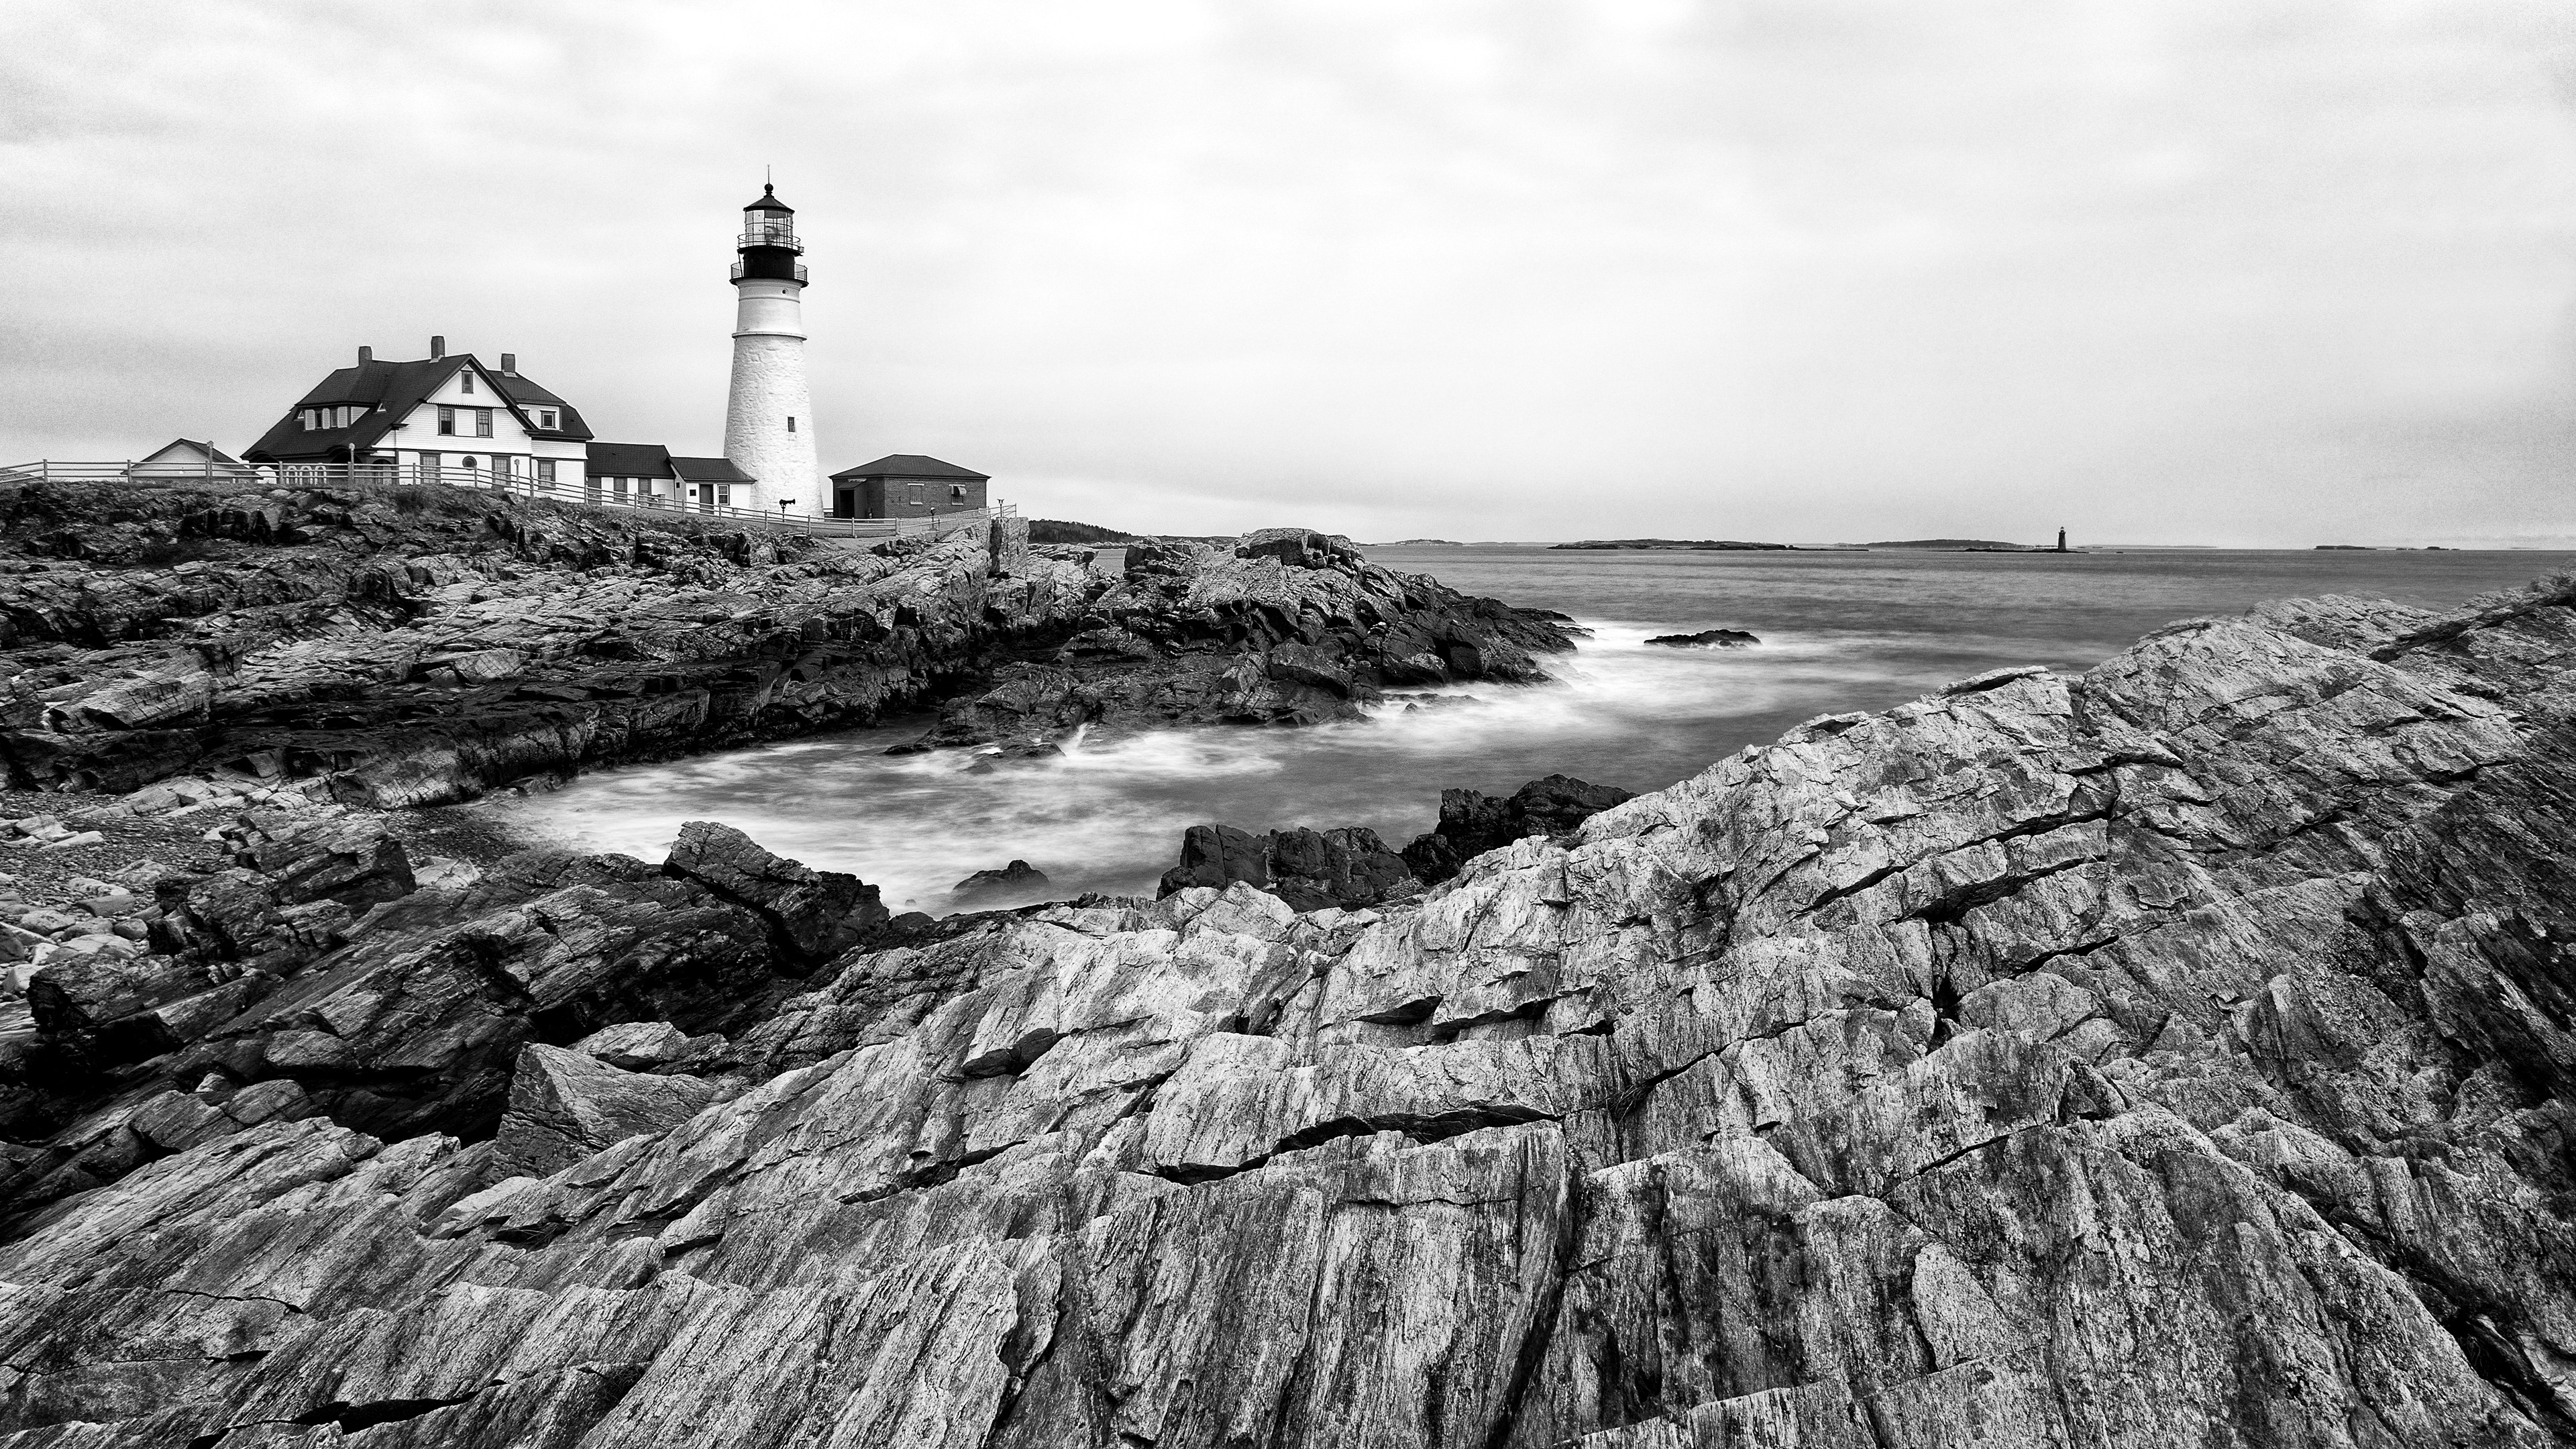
(2174, 1054)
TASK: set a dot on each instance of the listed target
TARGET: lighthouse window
(791, 423)
(447, 422)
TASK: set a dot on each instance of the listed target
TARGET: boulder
(817, 913)
(357, 863)
(634, 1045)
(565, 1105)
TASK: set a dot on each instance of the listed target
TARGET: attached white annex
(439, 417)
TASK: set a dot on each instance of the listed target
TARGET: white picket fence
(388, 476)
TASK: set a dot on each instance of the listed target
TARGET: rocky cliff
(2177, 1054)
(394, 648)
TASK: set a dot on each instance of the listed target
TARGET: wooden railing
(592, 493)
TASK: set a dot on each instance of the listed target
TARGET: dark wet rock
(1219, 855)
(1472, 822)
(1707, 638)
(2175, 1054)
(1018, 880)
(1309, 869)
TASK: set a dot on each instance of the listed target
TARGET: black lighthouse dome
(768, 244)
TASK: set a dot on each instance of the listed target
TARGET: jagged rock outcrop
(1287, 626)
(415, 647)
(2177, 1054)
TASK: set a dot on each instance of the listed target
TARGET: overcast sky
(2267, 273)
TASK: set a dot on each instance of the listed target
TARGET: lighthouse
(769, 419)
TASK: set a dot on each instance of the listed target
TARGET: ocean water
(1840, 631)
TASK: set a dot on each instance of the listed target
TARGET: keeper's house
(441, 417)
(906, 485)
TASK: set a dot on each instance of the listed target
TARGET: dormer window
(546, 419)
(315, 420)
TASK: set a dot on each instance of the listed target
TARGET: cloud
(1768, 269)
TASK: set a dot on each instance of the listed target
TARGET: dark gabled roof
(710, 470)
(910, 465)
(628, 460)
(528, 396)
(769, 202)
(392, 390)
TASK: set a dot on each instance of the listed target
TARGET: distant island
(1057, 530)
(1962, 545)
(1675, 543)
(1420, 543)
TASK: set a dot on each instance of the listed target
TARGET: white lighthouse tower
(769, 418)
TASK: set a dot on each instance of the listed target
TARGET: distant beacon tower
(769, 419)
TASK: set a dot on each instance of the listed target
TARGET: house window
(546, 473)
(429, 467)
(465, 382)
(505, 465)
(482, 422)
(470, 461)
(791, 422)
(956, 492)
(447, 422)
(617, 489)
(912, 494)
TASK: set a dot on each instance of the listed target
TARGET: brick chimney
(437, 348)
(510, 364)
(366, 355)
